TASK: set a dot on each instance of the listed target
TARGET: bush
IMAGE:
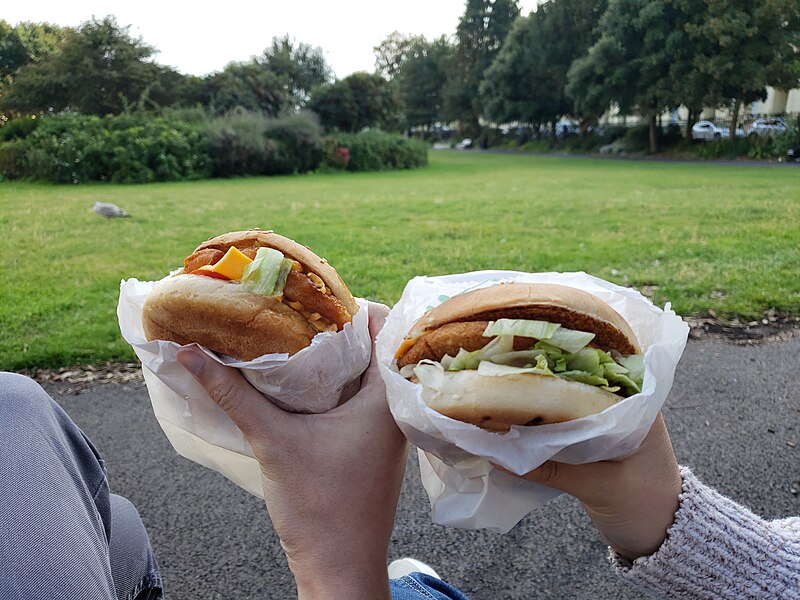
(250, 143)
(12, 154)
(129, 148)
(375, 150)
(724, 148)
(238, 145)
(300, 141)
(18, 128)
(536, 146)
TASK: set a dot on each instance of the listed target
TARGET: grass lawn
(705, 237)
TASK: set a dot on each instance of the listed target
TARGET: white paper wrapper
(463, 488)
(314, 380)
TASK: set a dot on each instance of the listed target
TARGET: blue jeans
(62, 533)
(419, 586)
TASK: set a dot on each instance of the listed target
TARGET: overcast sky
(200, 37)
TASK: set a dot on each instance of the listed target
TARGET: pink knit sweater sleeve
(718, 549)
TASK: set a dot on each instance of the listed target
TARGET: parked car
(793, 154)
(706, 130)
(464, 144)
(565, 127)
(767, 126)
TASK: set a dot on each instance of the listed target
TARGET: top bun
(256, 238)
(568, 306)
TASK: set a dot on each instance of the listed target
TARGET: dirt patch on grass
(770, 328)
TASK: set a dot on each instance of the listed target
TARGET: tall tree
(421, 80)
(302, 66)
(481, 32)
(392, 52)
(12, 51)
(359, 100)
(99, 69)
(527, 80)
(629, 65)
(741, 47)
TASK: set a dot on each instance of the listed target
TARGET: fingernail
(191, 359)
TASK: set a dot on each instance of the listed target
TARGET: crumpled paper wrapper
(464, 489)
(314, 380)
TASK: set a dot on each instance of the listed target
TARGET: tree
(251, 86)
(12, 51)
(740, 47)
(421, 80)
(527, 80)
(99, 69)
(481, 31)
(392, 52)
(302, 66)
(277, 82)
(629, 65)
(359, 100)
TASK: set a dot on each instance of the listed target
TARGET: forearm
(718, 549)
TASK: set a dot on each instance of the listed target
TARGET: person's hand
(632, 502)
(331, 480)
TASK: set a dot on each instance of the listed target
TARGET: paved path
(734, 415)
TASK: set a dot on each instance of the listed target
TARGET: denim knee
(22, 396)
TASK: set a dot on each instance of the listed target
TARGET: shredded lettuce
(560, 337)
(267, 274)
(591, 366)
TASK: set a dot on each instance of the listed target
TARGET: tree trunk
(734, 119)
(653, 134)
(690, 119)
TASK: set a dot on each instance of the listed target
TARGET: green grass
(702, 236)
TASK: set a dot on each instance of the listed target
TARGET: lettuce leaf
(556, 335)
(267, 274)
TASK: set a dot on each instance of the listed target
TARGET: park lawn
(703, 236)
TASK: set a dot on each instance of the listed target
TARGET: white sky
(200, 37)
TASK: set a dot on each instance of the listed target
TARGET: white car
(767, 126)
(706, 130)
(464, 144)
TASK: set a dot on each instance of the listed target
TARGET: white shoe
(405, 566)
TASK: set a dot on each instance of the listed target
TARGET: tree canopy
(481, 32)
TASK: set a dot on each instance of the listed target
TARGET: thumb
(575, 480)
(250, 411)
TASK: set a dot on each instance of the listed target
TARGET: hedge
(374, 150)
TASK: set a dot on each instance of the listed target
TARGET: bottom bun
(497, 403)
(223, 318)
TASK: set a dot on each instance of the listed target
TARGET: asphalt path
(734, 417)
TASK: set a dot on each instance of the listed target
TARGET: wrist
(342, 579)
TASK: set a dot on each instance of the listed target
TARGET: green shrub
(18, 128)
(724, 148)
(299, 141)
(374, 150)
(238, 144)
(583, 143)
(536, 146)
(250, 143)
(129, 148)
(12, 154)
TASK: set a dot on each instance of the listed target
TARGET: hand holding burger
(249, 293)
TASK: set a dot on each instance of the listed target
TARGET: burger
(249, 293)
(522, 354)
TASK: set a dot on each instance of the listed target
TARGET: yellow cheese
(405, 347)
(232, 264)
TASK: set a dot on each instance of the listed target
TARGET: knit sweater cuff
(718, 549)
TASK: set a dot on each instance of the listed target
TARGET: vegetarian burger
(249, 293)
(522, 354)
